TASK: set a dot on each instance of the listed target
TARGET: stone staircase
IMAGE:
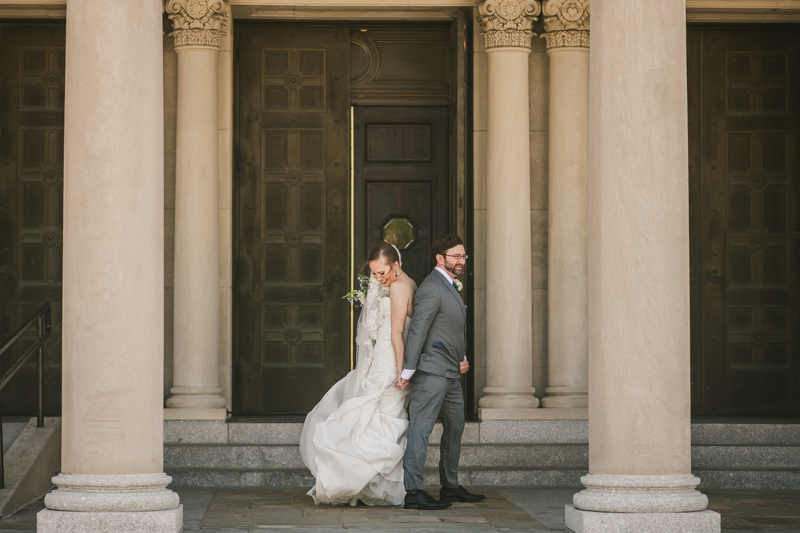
(541, 453)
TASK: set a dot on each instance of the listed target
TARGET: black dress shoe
(419, 499)
(459, 494)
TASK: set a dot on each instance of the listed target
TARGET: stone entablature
(508, 22)
(197, 22)
(566, 23)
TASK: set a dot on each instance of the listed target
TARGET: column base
(533, 414)
(121, 503)
(196, 398)
(640, 494)
(593, 522)
(509, 398)
(511, 413)
(169, 521)
(195, 414)
(565, 397)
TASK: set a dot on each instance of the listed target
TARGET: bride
(354, 439)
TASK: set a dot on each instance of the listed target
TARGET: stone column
(112, 476)
(566, 23)
(640, 476)
(196, 391)
(509, 390)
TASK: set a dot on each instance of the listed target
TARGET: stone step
(288, 456)
(747, 457)
(490, 431)
(12, 430)
(296, 477)
(547, 453)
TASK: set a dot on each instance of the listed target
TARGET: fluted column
(640, 476)
(196, 391)
(112, 476)
(507, 29)
(566, 24)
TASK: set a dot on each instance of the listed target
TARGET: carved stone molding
(566, 23)
(508, 22)
(197, 22)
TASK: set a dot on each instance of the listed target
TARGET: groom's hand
(401, 383)
(463, 366)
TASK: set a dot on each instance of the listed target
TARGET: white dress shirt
(408, 372)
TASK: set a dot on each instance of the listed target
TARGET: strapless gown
(354, 439)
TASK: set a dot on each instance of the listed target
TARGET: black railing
(43, 326)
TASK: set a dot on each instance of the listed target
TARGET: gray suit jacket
(437, 338)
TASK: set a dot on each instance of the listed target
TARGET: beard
(453, 267)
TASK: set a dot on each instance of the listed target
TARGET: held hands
(401, 383)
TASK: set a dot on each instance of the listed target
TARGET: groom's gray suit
(436, 345)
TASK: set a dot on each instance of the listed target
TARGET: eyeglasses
(458, 257)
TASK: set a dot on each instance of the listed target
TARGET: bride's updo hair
(381, 250)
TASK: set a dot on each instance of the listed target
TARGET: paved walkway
(248, 510)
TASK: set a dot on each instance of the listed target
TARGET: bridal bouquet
(358, 296)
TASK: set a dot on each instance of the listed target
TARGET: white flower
(459, 285)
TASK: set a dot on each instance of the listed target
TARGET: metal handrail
(42, 319)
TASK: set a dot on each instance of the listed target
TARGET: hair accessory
(399, 256)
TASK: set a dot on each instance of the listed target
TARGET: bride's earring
(396, 273)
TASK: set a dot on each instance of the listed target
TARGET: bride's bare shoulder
(403, 288)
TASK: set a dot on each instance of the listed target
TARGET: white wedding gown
(354, 439)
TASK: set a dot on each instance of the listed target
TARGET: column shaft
(639, 241)
(113, 327)
(196, 341)
(196, 391)
(508, 227)
(567, 252)
(639, 425)
(509, 391)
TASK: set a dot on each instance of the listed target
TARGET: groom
(434, 358)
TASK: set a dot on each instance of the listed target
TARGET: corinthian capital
(566, 23)
(508, 22)
(197, 21)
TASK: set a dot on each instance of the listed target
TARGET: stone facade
(515, 128)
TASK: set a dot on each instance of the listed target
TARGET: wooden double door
(744, 129)
(293, 208)
(31, 189)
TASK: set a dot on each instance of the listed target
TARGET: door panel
(746, 325)
(292, 217)
(31, 190)
(401, 181)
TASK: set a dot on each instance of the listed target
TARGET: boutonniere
(458, 285)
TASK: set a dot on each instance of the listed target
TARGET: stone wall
(538, 109)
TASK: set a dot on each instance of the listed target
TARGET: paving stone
(412, 519)
(278, 478)
(466, 519)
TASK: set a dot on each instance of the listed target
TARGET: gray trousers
(433, 398)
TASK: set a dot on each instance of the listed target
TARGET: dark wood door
(401, 171)
(292, 219)
(31, 185)
(744, 120)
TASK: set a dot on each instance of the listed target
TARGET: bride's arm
(400, 295)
